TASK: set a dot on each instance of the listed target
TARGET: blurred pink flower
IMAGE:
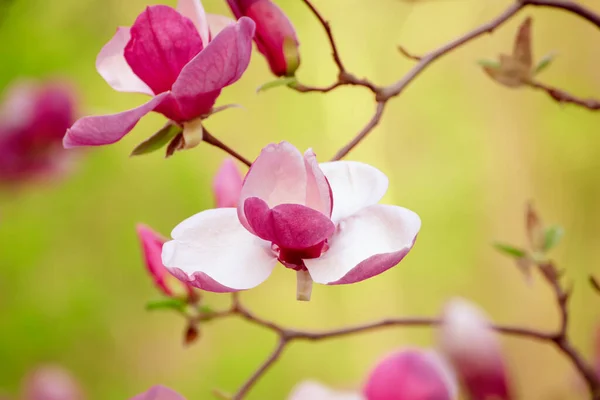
(170, 55)
(34, 117)
(321, 220)
(51, 383)
(159, 393)
(152, 244)
(275, 35)
(473, 349)
(311, 390)
(227, 184)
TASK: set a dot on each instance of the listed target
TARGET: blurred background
(462, 151)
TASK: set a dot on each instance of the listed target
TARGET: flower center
(293, 258)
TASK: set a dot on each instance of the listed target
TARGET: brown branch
(408, 55)
(563, 97)
(210, 139)
(363, 133)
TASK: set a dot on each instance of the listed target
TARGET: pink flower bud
(51, 383)
(411, 374)
(473, 349)
(34, 117)
(275, 35)
(152, 244)
(227, 184)
(159, 393)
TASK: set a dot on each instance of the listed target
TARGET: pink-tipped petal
(212, 251)
(473, 348)
(318, 193)
(311, 390)
(194, 10)
(411, 374)
(152, 244)
(107, 129)
(159, 393)
(216, 23)
(355, 185)
(291, 226)
(220, 64)
(227, 184)
(113, 67)
(366, 244)
(277, 176)
(162, 43)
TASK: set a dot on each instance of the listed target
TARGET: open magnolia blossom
(173, 56)
(321, 220)
(407, 374)
(471, 346)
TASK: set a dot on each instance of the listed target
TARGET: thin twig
(408, 55)
(563, 97)
(210, 139)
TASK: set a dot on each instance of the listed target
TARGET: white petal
(311, 390)
(194, 10)
(217, 23)
(354, 185)
(366, 244)
(216, 253)
(113, 67)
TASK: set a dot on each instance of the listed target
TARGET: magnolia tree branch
(210, 139)
(563, 97)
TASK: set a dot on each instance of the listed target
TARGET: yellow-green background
(460, 150)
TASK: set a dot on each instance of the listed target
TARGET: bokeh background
(462, 151)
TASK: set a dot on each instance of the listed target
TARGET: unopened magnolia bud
(51, 383)
(192, 333)
(227, 184)
(275, 35)
(411, 374)
(472, 347)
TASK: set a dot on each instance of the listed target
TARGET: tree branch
(563, 97)
(210, 139)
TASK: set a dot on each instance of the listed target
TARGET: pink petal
(159, 393)
(318, 192)
(162, 43)
(366, 244)
(277, 176)
(311, 390)
(107, 129)
(227, 184)
(194, 10)
(220, 64)
(290, 226)
(355, 185)
(411, 374)
(473, 349)
(212, 251)
(113, 67)
(51, 382)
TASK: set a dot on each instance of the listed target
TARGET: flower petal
(220, 64)
(366, 244)
(162, 43)
(194, 10)
(216, 23)
(212, 251)
(291, 226)
(227, 184)
(159, 393)
(355, 185)
(311, 390)
(113, 67)
(277, 176)
(318, 193)
(105, 129)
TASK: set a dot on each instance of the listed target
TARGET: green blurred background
(460, 150)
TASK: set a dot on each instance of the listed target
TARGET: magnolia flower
(473, 349)
(33, 119)
(51, 383)
(275, 35)
(172, 56)
(152, 244)
(321, 220)
(227, 184)
(159, 393)
(407, 374)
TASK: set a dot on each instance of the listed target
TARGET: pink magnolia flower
(152, 244)
(170, 55)
(275, 35)
(33, 119)
(227, 184)
(473, 349)
(51, 383)
(321, 220)
(159, 393)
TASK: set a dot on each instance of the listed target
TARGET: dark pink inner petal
(162, 43)
(290, 226)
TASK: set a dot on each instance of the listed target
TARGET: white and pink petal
(312, 390)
